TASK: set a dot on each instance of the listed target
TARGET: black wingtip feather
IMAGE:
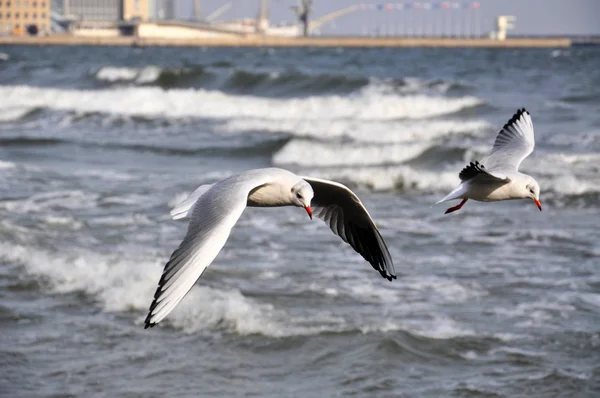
(516, 117)
(366, 245)
(471, 171)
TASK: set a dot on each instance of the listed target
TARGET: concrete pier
(271, 41)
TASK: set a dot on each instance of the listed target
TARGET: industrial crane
(303, 10)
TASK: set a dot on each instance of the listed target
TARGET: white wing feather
(183, 209)
(514, 143)
(212, 219)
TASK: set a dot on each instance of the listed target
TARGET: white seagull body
(497, 176)
(215, 209)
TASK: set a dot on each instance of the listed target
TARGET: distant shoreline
(271, 41)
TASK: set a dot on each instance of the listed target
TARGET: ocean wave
(12, 113)
(119, 283)
(149, 75)
(590, 98)
(56, 200)
(394, 131)
(7, 165)
(316, 154)
(281, 82)
(389, 178)
(176, 103)
(292, 82)
(30, 141)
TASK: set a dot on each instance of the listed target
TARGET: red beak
(309, 211)
(539, 205)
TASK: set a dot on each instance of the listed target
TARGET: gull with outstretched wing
(214, 210)
(497, 176)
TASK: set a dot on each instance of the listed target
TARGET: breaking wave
(268, 82)
(368, 105)
(151, 75)
(122, 284)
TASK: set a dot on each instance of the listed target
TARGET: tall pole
(197, 9)
(304, 15)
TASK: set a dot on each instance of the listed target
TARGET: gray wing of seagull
(345, 214)
(513, 144)
(212, 218)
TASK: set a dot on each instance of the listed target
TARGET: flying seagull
(214, 210)
(497, 177)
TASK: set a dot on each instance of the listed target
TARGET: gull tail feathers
(456, 194)
(184, 209)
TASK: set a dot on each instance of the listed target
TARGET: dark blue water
(97, 144)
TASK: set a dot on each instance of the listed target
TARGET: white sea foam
(52, 200)
(65, 221)
(6, 165)
(568, 174)
(389, 178)
(310, 153)
(121, 283)
(11, 113)
(152, 102)
(144, 75)
(391, 131)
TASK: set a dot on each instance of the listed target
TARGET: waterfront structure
(136, 10)
(19, 16)
(95, 13)
(106, 13)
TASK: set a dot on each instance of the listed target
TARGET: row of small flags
(418, 6)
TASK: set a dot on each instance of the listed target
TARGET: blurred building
(136, 9)
(94, 12)
(166, 9)
(101, 13)
(17, 17)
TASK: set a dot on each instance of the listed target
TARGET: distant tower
(303, 11)
(306, 8)
(197, 10)
(169, 9)
(262, 20)
(504, 22)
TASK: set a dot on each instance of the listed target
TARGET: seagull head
(302, 193)
(533, 192)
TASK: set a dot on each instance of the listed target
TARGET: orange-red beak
(309, 211)
(539, 205)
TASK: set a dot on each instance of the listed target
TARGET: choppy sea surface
(496, 300)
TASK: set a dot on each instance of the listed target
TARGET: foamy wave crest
(571, 174)
(310, 153)
(394, 131)
(11, 113)
(120, 283)
(7, 165)
(52, 201)
(569, 185)
(393, 177)
(155, 102)
(144, 75)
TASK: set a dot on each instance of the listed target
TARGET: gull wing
(476, 169)
(343, 211)
(514, 143)
(184, 208)
(214, 214)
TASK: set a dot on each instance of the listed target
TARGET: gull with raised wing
(214, 210)
(497, 177)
